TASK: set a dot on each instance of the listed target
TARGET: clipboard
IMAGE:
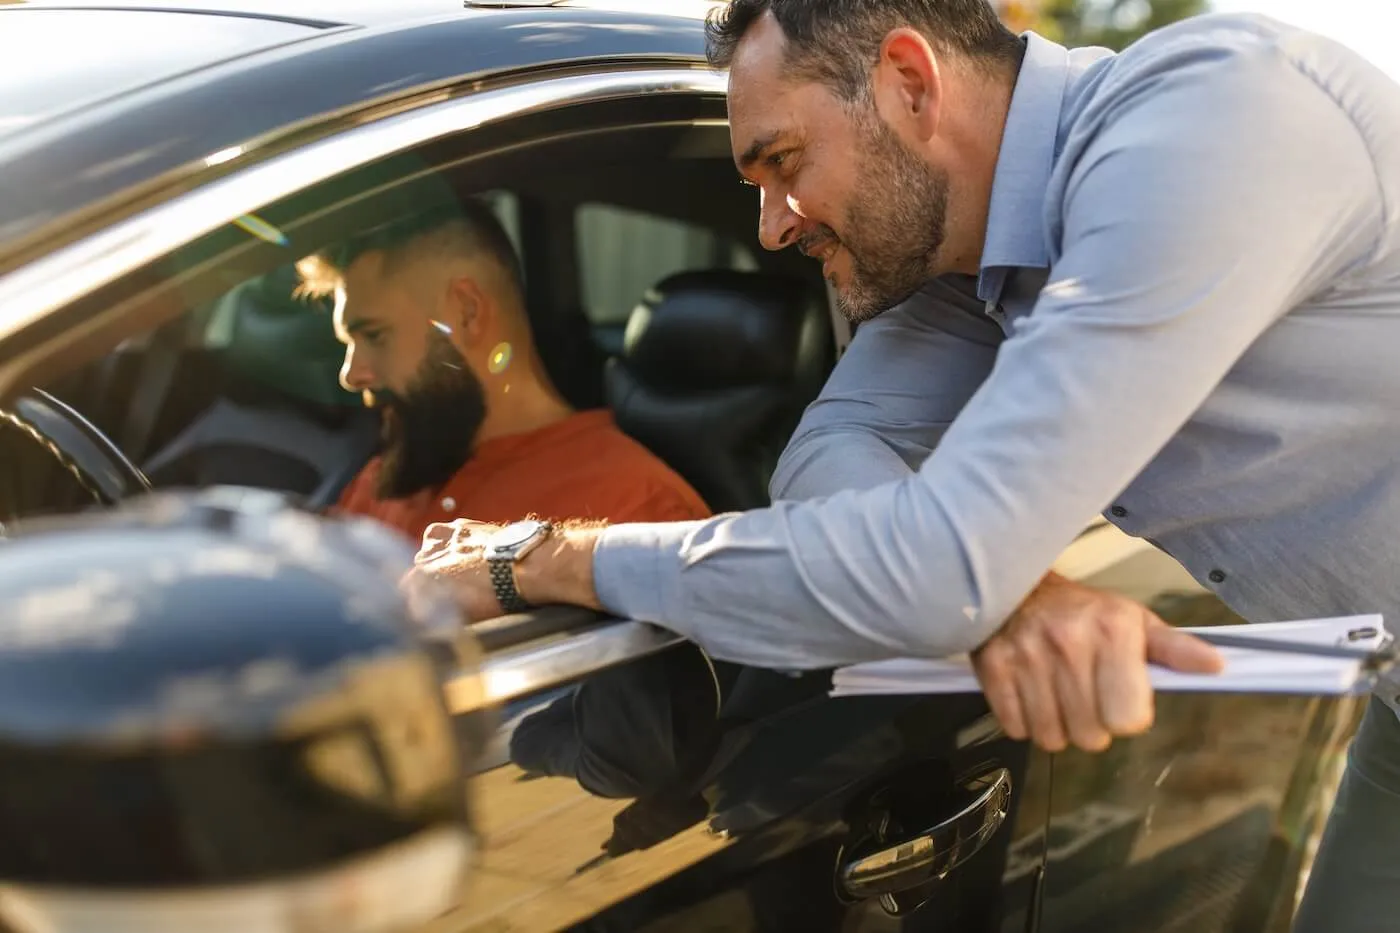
(1316, 657)
(1375, 661)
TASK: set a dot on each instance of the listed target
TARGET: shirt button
(1118, 511)
(448, 504)
(1217, 576)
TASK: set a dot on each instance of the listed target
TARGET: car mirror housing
(219, 712)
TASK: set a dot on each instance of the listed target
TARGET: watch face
(514, 535)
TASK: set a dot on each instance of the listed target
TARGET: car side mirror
(218, 712)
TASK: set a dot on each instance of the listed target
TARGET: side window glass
(622, 253)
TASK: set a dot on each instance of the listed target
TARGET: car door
(1207, 822)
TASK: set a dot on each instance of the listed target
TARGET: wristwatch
(504, 550)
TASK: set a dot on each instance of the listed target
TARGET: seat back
(716, 369)
(281, 420)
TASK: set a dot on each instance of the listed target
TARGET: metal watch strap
(503, 582)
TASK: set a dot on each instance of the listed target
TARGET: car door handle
(934, 852)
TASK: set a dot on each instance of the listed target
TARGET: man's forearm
(560, 571)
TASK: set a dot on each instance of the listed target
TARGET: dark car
(163, 165)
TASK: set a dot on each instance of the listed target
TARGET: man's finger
(1074, 685)
(1181, 651)
(431, 549)
(993, 666)
(1120, 671)
(438, 532)
(1073, 649)
(1035, 686)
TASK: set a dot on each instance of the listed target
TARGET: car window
(214, 324)
(622, 253)
(241, 385)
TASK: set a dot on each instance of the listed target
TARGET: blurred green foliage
(1111, 23)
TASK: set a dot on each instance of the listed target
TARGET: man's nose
(778, 223)
(355, 376)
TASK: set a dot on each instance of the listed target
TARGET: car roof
(63, 55)
(59, 59)
(110, 96)
(362, 12)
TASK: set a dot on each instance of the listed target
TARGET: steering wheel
(97, 464)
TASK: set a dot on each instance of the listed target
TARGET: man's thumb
(1181, 651)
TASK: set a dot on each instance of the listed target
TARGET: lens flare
(251, 223)
(499, 358)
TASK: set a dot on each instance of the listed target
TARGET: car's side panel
(1202, 824)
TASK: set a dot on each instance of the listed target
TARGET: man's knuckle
(996, 655)
(1070, 639)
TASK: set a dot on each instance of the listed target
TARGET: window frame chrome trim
(67, 275)
(534, 668)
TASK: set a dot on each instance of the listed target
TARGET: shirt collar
(1015, 233)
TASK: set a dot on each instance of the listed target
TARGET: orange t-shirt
(581, 467)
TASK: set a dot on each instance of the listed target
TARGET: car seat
(716, 370)
(282, 420)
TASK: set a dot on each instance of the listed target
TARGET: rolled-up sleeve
(1215, 195)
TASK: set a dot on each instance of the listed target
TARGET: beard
(894, 227)
(430, 429)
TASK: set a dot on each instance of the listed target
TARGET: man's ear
(467, 308)
(907, 84)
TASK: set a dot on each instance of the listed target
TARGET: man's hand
(560, 570)
(1070, 666)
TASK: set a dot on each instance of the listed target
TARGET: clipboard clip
(1376, 661)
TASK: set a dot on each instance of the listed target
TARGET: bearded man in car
(431, 310)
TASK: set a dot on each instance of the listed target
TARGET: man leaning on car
(431, 311)
(1193, 250)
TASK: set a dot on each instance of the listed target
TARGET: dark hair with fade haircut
(467, 227)
(838, 41)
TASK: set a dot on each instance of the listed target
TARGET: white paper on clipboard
(1246, 670)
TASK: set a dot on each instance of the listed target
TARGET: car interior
(647, 291)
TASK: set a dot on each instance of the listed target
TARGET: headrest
(721, 329)
(285, 342)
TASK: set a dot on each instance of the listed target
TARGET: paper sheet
(1246, 670)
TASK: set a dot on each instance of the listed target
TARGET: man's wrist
(560, 570)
